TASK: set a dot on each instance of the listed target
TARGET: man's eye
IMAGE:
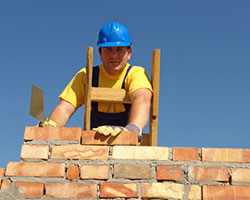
(107, 50)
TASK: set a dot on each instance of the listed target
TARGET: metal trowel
(36, 103)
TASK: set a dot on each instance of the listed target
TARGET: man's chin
(114, 64)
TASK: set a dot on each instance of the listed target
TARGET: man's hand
(109, 130)
(47, 123)
(137, 129)
(115, 130)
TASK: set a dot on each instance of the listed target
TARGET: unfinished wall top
(68, 163)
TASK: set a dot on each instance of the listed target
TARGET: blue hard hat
(113, 34)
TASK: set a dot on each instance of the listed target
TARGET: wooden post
(155, 80)
(87, 92)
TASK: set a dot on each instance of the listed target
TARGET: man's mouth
(114, 62)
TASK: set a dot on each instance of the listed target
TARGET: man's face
(114, 58)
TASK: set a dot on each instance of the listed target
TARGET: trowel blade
(36, 103)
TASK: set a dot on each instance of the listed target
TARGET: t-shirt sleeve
(138, 79)
(74, 91)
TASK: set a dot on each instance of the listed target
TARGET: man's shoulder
(137, 69)
(81, 72)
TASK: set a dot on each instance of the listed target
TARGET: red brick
(240, 175)
(169, 172)
(73, 172)
(217, 173)
(95, 172)
(116, 190)
(226, 192)
(5, 184)
(35, 151)
(52, 133)
(132, 171)
(1, 173)
(70, 191)
(34, 190)
(35, 169)
(185, 154)
(95, 138)
(80, 152)
(226, 155)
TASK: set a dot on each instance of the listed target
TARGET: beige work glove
(109, 130)
(115, 130)
(47, 123)
(137, 129)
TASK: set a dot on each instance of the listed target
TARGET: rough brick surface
(34, 190)
(169, 172)
(227, 192)
(35, 151)
(52, 133)
(185, 154)
(71, 191)
(113, 168)
(194, 192)
(211, 173)
(1, 174)
(226, 155)
(140, 153)
(5, 184)
(38, 169)
(115, 190)
(73, 172)
(124, 138)
(132, 171)
(240, 175)
(95, 172)
(162, 190)
(80, 152)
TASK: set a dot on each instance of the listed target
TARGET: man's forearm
(62, 113)
(140, 108)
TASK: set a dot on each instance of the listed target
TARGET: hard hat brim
(115, 44)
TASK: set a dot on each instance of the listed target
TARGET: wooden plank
(109, 94)
(155, 80)
(87, 94)
(145, 141)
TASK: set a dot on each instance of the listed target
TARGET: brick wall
(66, 163)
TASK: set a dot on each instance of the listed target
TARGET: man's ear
(129, 53)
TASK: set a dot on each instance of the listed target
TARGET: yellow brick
(95, 172)
(162, 190)
(35, 151)
(195, 193)
(80, 152)
(1, 173)
(140, 152)
(5, 184)
(240, 175)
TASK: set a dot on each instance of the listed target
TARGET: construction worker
(114, 72)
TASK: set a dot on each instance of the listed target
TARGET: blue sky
(205, 63)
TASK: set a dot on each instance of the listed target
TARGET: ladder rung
(109, 94)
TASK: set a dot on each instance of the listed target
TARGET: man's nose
(114, 52)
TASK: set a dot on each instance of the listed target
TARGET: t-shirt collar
(102, 69)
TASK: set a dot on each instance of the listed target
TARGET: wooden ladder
(99, 94)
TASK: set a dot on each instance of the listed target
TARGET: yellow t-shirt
(137, 78)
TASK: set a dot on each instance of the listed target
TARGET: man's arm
(62, 113)
(140, 108)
